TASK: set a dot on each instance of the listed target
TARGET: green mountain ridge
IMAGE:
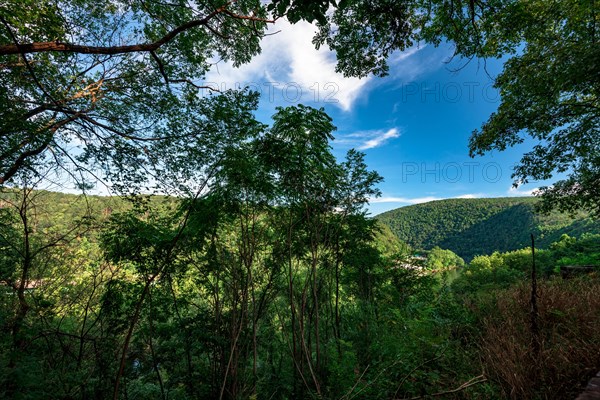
(58, 209)
(471, 227)
(468, 227)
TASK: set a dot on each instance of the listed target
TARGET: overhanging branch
(57, 46)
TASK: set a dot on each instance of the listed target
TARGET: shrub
(569, 324)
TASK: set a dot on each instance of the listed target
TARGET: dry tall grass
(569, 320)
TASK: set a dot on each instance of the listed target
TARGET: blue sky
(413, 125)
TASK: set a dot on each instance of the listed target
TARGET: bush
(569, 323)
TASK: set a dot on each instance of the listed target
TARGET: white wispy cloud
(379, 139)
(289, 69)
(364, 140)
(515, 191)
(408, 66)
(402, 200)
(404, 67)
(425, 199)
(472, 196)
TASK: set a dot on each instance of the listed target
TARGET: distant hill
(470, 227)
(56, 209)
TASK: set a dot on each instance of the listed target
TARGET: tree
(440, 259)
(113, 78)
(91, 87)
(94, 85)
(365, 33)
(42, 275)
(549, 88)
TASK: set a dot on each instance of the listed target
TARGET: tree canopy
(101, 86)
(471, 227)
(96, 87)
(96, 84)
(264, 278)
(549, 92)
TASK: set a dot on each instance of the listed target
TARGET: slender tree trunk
(296, 361)
(134, 320)
(187, 344)
(18, 342)
(337, 297)
(316, 310)
(23, 307)
(152, 352)
(534, 315)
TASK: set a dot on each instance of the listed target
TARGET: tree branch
(57, 46)
(478, 379)
(16, 165)
(168, 80)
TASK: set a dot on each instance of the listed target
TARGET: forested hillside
(62, 209)
(238, 283)
(471, 227)
(257, 274)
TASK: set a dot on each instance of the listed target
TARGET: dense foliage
(268, 283)
(264, 278)
(226, 306)
(439, 259)
(90, 87)
(503, 269)
(471, 227)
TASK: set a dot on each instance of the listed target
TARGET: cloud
(289, 69)
(471, 196)
(405, 67)
(403, 200)
(409, 66)
(515, 191)
(379, 139)
(418, 200)
(368, 139)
